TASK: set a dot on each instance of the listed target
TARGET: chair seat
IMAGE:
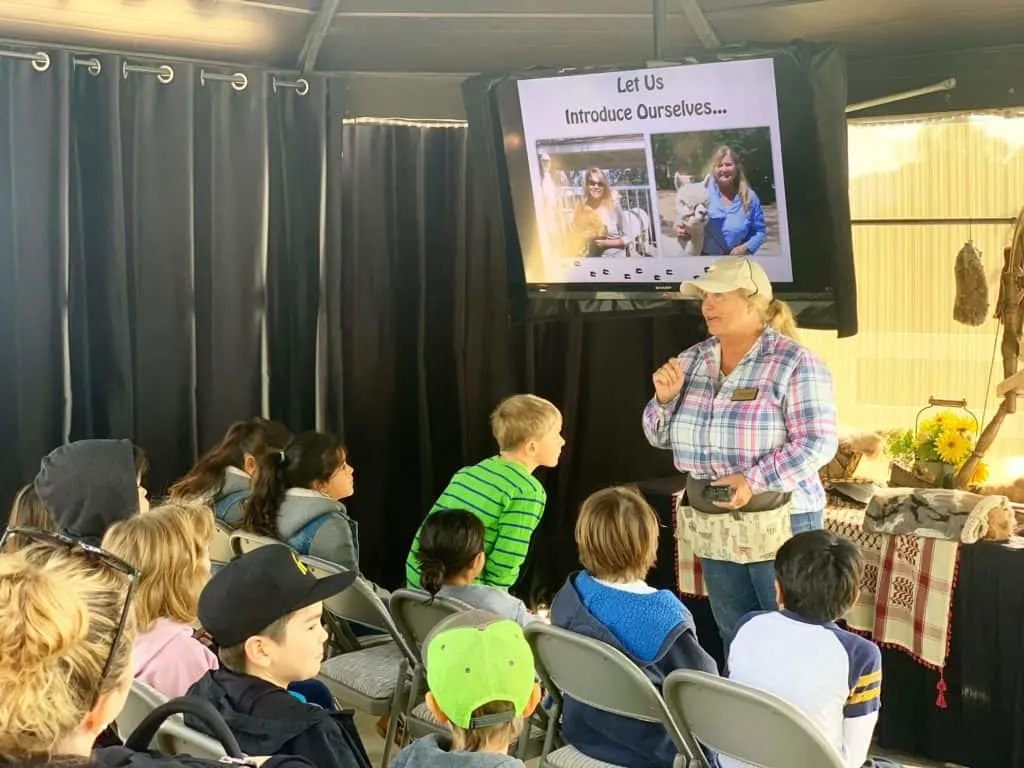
(373, 672)
(570, 757)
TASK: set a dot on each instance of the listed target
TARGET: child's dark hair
(449, 542)
(819, 574)
(254, 437)
(141, 462)
(308, 458)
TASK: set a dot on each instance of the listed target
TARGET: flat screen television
(617, 179)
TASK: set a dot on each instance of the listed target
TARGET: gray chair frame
(221, 549)
(747, 724)
(416, 614)
(361, 604)
(173, 737)
(246, 541)
(595, 674)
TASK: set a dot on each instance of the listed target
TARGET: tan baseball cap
(731, 273)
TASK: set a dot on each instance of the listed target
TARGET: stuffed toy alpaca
(852, 448)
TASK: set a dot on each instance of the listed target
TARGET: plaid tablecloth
(906, 593)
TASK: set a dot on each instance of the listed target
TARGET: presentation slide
(651, 175)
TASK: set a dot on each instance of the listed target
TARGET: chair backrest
(245, 541)
(595, 674)
(141, 701)
(176, 738)
(358, 604)
(771, 731)
(220, 547)
(416, 614)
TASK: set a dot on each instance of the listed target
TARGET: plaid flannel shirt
(772, 419)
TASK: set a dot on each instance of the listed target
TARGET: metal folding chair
(745, 723)
(599, 676)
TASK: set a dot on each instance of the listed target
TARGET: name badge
(744, 395)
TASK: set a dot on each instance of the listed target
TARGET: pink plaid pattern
(906, 592)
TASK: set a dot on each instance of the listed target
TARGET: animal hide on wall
(971, 305)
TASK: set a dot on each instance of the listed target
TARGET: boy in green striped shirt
(501, 490)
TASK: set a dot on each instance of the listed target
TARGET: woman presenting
(736, 224)
(750, 417)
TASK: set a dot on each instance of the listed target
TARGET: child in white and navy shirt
(799, 654)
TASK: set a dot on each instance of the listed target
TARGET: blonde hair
(28, 511)
(776, 314)
(608, 198)
(168, 546)
(742, 186)
(476, 739)
(522, 417)
(617, 535)
(59, 613)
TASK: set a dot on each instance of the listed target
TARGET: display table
(982, 725)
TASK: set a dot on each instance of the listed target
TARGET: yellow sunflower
(965, 424)
(981, 474)
(952, 446)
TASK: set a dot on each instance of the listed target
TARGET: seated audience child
(799, 654)
(451, 558)
(170, 546)
(67, 672)
(89, 485)
(480, 673)
(501, 490)
(617, 536)
(223, 476)
(263, 611)
(296, 497)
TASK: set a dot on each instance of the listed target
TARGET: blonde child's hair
(59, 612)
(522, 417)
(476, 739)
(617, 535)
(168, 546)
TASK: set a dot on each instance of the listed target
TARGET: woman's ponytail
(268, 489)
(780, 317)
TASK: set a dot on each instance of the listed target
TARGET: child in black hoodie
(264, 611)
(89, 485)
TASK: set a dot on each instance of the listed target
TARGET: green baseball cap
(474, 658)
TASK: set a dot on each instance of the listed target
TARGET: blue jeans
(737, 589)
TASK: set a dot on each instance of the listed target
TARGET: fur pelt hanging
(971, 305)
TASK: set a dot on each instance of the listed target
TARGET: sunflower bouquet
(938, 449)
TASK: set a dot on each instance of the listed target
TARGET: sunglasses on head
(61, 540)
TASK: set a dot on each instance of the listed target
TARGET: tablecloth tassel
(940, 701)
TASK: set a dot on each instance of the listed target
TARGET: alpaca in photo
(692, 212)
(638, 232)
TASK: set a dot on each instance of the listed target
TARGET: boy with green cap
(482, 685)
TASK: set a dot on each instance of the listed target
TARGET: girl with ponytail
(222, 477)
(451, 558)
(296, 497)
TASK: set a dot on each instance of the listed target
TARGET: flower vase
(938, 474)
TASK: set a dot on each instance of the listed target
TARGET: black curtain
(160, 246)
(33, 246)
(429, 351)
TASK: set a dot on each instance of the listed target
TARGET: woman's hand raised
(668, 381)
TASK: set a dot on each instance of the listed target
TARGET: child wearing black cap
(263, 611)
